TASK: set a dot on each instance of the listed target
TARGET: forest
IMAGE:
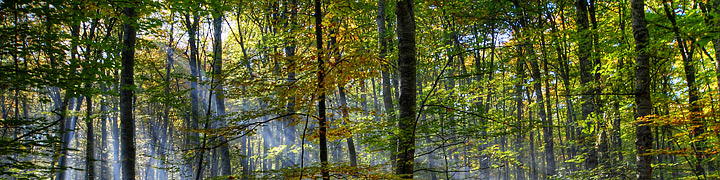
(359, 89)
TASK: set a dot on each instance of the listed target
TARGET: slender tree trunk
(617, 139)
(90, 150)
(407, 65)
(290, 106)
(67, 138)
(687, 57)
(586, 80)
(547, 129)
(166, 126)
(117, 166)
(224, 150)
(643, 133)
(715, 26)
(531, 137)
(386, 85)
(74, 142)
(321, 86)
(127, 122)
(346, 117)
(546, 115)
(246, 146)
(376, 104)
(564, 72)
(150, 132)
(246, 150)
(192, 138)
(104, 156)
(599, 149)
(519, 137)
(90, 142)
(67, 135)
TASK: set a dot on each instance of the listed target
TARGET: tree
(687, 49)
(586, 67)
(127, 121)
(219, 92)
(193, 121)
(547, 122)
(643, 133)
(715, 26)
(322, 119)
(386, 69)
(407, 105)
(69, 126)
(90, 142)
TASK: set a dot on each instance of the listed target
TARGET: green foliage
(468, 55)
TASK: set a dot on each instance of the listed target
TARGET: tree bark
(321, 86)
(547, 125)
(715, 26)
(224, 150)
(643, 133)
(346, 116)
(90, 150)
(586, 80)
(117, 166)
(546, 115)
(687, 57)
(192, 138)
(69, 127)
(104, 156)
(127, 123)
(90, 142)
(290, 106)
(386, 85)
(166, 126)
(407, 64)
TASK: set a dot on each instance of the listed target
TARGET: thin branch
(40, 129)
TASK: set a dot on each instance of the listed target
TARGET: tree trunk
(531, 143)
(104, 156)
(406, 63)
(246, 150)
(127, 123)
(716, 41)
(716, 46)
(117, 166)
(520, 75)
(485, 161)
(386, 85)
(90, 132)
(643, 133)
(547, 124)
(290, 106)
(166, 126)
(67, 135)
(346, 117)
(698, 127)
(617, 133)
(321, 86)
(586, 80)
(90, 142)
(192, 138)
(224, 150)
(546, 116)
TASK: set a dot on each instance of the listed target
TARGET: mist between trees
(367, 89)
